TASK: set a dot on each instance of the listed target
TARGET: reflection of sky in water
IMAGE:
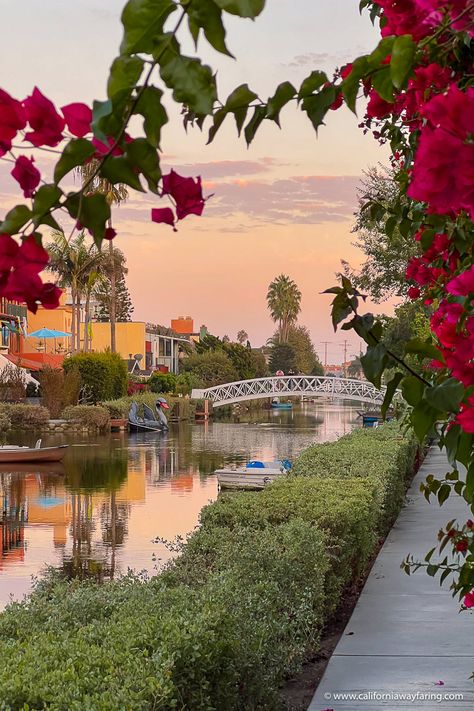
(121, 492)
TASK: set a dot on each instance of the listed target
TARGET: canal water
(101, 515)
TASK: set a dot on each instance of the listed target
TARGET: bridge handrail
(255, 388)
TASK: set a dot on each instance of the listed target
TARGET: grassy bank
(182, 407)
(233, 615)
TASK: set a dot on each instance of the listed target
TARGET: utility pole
(344, 345)
(325, 344)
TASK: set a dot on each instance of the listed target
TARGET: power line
(325, 344)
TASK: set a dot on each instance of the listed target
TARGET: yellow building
(129, 335)
(59, 319)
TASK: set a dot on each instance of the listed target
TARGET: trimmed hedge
(382, 454)
(225, 622)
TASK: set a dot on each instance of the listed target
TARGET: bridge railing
(275, 386)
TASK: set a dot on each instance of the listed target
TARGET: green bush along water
(223, 625)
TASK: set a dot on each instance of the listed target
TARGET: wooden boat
(251, 476)
(32, 468)
(11, 453)
(148, 423)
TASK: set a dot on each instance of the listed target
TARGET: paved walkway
(405, 633)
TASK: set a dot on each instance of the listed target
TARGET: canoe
(282, 405)
(247, 478)
(13, 453)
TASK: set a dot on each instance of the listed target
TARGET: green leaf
(15, 219)
(340, 309)
(392, 386)
(443, 493)
(119, 170)
(259, 113)
(155, 117)
(75, 153)
(401, 62)
(219, 118)
(381, 52)
(193, 83)
(100, 110)
(382, 83)
(318, 105)
(423, 348)
(350, 85)
(143, 22)
(45, 197)
(242, 8)
(238, 103)
(207, 15)
(145, 157)
(423, 418)
(412, 390)
(446, 396)
(92, 211)
(374, 362)
(313, 82)
(124, 74)
(284, 93)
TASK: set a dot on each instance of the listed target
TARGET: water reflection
(98, 515)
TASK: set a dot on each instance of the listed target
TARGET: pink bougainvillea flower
(462, 546)
(103, 148)
(50, 295)
(469, 599)
(469, 523)
(462, 284)
(443, 173)
(414, 292)
(186, 192)
(43, 118)
(12, 120)
(8, 252)
(32, 254)
(465, 418)
(163, 214)
(110, 233)
(453, 111)
(378, 107)
(439, 683)
(26, 174)
(413, 17)
(78, 118)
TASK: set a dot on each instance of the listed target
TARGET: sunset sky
(284, 205)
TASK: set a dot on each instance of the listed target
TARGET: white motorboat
(254, 475)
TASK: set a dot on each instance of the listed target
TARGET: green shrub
(91, 416)
(5, 422)
(382, 454)
(59, 388)
(185, 382)
(30, 416)
(103, 375)
(162, 382)
(225, 623)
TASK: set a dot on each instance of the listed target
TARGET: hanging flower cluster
(36, 121)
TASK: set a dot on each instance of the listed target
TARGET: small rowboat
(15, 453)
(255, 475)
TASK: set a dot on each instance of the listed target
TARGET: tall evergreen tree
(123, 301)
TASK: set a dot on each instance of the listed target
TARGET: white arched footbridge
(342, 388)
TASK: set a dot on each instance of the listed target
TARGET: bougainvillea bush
(417, 91)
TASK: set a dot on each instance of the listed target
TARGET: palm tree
(114, 194)
(284, 303)
(75, 262)
(242, 337)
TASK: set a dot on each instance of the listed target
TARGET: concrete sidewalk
(405, 633)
